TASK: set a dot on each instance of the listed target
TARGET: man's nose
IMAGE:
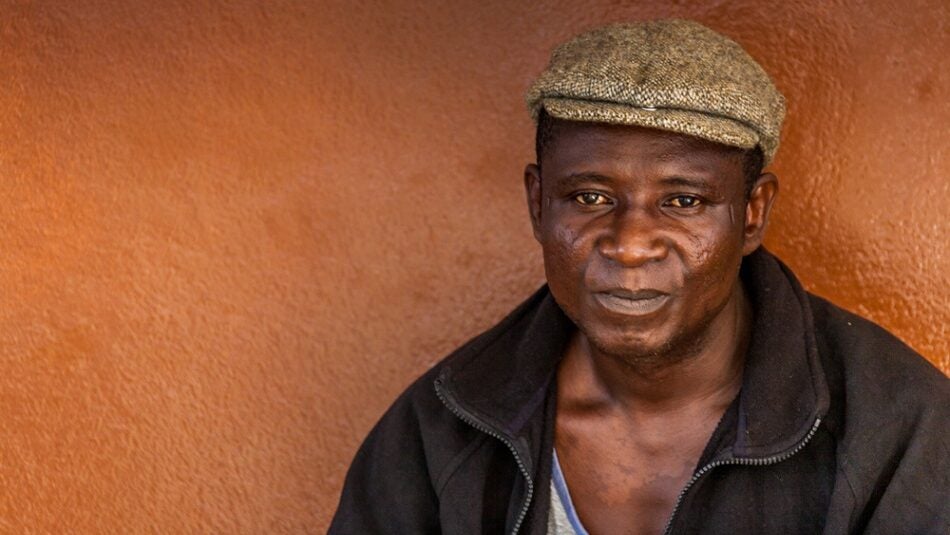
(634, 237)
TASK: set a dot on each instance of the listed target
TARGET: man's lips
(632, 302)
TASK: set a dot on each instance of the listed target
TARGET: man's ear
(757, 211)
(532, 190)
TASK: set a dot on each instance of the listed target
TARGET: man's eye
(684, 201)
(590, 198)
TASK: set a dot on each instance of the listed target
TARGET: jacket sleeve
(388, 488)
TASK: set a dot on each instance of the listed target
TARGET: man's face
(643, 232)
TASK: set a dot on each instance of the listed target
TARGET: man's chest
(624, 478)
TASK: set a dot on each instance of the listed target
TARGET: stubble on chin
(643, 359)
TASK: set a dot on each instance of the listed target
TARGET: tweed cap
(675, 75)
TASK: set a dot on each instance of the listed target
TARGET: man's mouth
(632, 302)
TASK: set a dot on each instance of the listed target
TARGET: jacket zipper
(764, 461)
(473, 421)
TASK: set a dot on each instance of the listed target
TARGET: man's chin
(636, 352)
(641, 352)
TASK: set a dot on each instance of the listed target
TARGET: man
(673, 376)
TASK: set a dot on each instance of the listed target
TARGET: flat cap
(675, 75)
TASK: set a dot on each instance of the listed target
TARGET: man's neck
(709, 374)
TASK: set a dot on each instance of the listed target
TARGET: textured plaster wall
(231, 232)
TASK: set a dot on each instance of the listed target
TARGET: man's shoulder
(872, 357)
(513, 324)
(420, 424)
(893, 408)
(420, 398)
(890, 400)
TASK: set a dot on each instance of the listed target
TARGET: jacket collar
(502, 378)
(784, 391)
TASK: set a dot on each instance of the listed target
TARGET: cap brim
(709, 127)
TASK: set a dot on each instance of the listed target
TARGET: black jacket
(838, 428)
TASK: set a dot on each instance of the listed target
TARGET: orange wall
(232, 232)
